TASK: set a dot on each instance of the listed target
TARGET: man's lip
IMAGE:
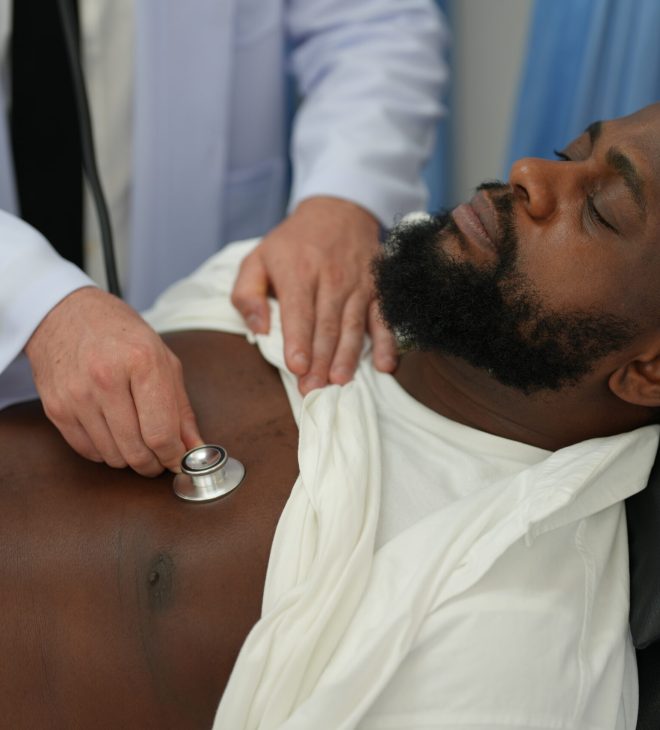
(477, 222)
(483, 207)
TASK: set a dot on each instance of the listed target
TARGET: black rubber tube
(90, 167)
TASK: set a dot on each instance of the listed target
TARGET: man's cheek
(563, 280)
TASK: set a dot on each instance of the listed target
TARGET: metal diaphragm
(207, 473)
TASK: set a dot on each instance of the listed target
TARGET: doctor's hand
(110, 385)
(317, 263)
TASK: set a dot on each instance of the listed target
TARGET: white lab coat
(211, 137)
(212, 141)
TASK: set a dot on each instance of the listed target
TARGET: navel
(160, 577)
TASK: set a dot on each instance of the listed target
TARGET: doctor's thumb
(250, 294)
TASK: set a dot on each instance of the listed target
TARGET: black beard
(491, 317)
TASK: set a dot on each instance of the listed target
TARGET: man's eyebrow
(623, 165)
(631, 177)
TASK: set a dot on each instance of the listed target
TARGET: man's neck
(549, 420)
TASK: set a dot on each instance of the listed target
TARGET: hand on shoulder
(317, 262)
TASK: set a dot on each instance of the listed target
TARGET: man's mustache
(501, 197)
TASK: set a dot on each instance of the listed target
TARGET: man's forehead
(649, 113)
(644, 123)
(647, 118)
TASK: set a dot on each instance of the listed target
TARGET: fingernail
(300, 360)
(253, 322)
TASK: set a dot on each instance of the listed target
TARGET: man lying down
(453, 551)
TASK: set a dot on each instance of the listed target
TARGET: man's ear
(638, 381)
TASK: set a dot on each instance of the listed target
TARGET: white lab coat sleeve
(33, 279)
(371, 75)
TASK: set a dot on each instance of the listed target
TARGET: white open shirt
(485, 588)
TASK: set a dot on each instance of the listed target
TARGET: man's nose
(536, 184)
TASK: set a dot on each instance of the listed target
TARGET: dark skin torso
(123, 606)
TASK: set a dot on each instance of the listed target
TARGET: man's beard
(491, 317)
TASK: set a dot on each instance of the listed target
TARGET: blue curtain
(586, 60)
(438, 170)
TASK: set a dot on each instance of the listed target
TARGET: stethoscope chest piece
(207, 473)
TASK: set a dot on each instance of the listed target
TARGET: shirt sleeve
(33, 279)
(370, 75)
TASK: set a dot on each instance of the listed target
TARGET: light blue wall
(586, 60)
(515, 93)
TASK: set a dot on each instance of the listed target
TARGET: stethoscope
(207, 471)
(90, 167)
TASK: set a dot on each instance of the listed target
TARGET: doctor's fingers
(385, 354)
(250, 293)
(297, 311)
(71, 414)
(96, 427)
(76, 436)
(340, 320)
(167, 424)
(351, 339)
(124, 428)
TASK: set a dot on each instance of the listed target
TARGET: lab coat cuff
(387, 200)
(24, 312)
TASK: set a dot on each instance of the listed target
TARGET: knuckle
(335, 278)
(320, 364)
(186, 413)
(89, 452)
(175, 364)
(56, 409)
(116, 461)
(246, 282)
(141, 354)
(328, 329)
(79, 391)
(103, 375)
(299, 318)
(354, 324)
(240, 297)
(152, 470)
(246, 263)
(237, 296)
(306, 269)
(141, 460)
(238, 300)
(79, 442)
(160, 441)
